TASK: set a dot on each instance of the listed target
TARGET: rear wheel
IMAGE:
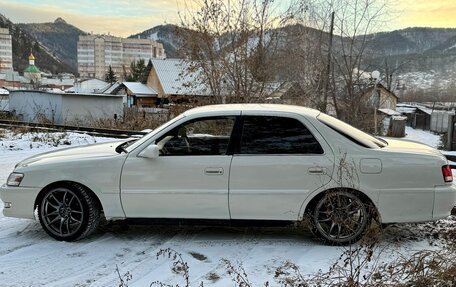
(68, 213)
(340, 217)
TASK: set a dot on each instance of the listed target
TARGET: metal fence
(440, 120)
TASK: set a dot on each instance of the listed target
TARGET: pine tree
(110, 77)
(139, 72)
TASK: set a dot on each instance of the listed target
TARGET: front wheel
(68, 213)
(340, 217)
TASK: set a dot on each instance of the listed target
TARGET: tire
(340, 218)
(68, 213)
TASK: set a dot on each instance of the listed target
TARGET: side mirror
(152, 151)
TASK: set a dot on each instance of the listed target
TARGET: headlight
(14, 179)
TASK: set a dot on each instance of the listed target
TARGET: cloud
(124, 18)
(118, 17)
(425, 13)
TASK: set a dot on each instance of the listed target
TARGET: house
(174, 81)
(286, 93)
(12, 80)
(418, 117)
(87, 86)
(57, 83)
(135, 94)
(64, 108)
(381, 97)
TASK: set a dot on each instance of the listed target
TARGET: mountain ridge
(23, 43)
(59, 37)
(408, 50)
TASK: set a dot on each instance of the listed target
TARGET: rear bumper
(444, 201)
(19, 201)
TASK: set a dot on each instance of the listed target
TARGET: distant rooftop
(139, 89)
(176, 79)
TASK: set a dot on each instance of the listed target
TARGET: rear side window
(277, 135)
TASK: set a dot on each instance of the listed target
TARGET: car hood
(411, 146)
(88, 151)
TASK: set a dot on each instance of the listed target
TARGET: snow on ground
(422, 136)
(28, 257)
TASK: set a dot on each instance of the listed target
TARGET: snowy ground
(28, 257)
(421, 136)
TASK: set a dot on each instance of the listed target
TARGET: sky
(124, 17)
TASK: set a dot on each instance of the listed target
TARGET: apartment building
(6, 51)
(97, 52)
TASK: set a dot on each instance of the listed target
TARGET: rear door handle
(316, 170)
(213, 171)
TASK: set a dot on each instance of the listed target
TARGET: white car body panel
(403, 180)
(274, 187)
(94, 166)
(194, 193)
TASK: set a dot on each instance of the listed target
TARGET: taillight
(447, 174)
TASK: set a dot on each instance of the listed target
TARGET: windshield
(351, 132)
(152, 133)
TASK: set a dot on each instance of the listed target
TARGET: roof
(13, 92)
(177, 79)
(379, 85)
(425, 110)
(90, 80)
(405, 110)
(32, 69)
(139, 89)
(253, 107)
(390, 112)
(111, 89)
(57, 81)
(409, 109)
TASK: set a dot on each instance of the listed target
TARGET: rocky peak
(60, 20)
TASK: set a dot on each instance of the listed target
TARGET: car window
(355, 135)
(153, 133)
(277, 135)
(207, 136)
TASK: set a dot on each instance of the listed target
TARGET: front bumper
(21, 201)
(444, 201)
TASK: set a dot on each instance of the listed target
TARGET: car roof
(226, 108)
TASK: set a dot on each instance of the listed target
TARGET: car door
(279, 161)
(190, 177)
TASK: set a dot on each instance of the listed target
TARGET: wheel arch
(66, 184)
(364, 198)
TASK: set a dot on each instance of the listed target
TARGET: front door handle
(213, 171)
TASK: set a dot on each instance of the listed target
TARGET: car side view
(237, 163)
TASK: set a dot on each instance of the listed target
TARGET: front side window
(207, 136)
(277, 135)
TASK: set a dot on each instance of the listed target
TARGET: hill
(23, 42)
(165, 34)
(426, 52)
(59, 37)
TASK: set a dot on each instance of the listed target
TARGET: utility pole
(328, 65)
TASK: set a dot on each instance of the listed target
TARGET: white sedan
(237, 163)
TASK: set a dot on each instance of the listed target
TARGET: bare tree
(231, 45)
(301, 57)
(354, 21)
